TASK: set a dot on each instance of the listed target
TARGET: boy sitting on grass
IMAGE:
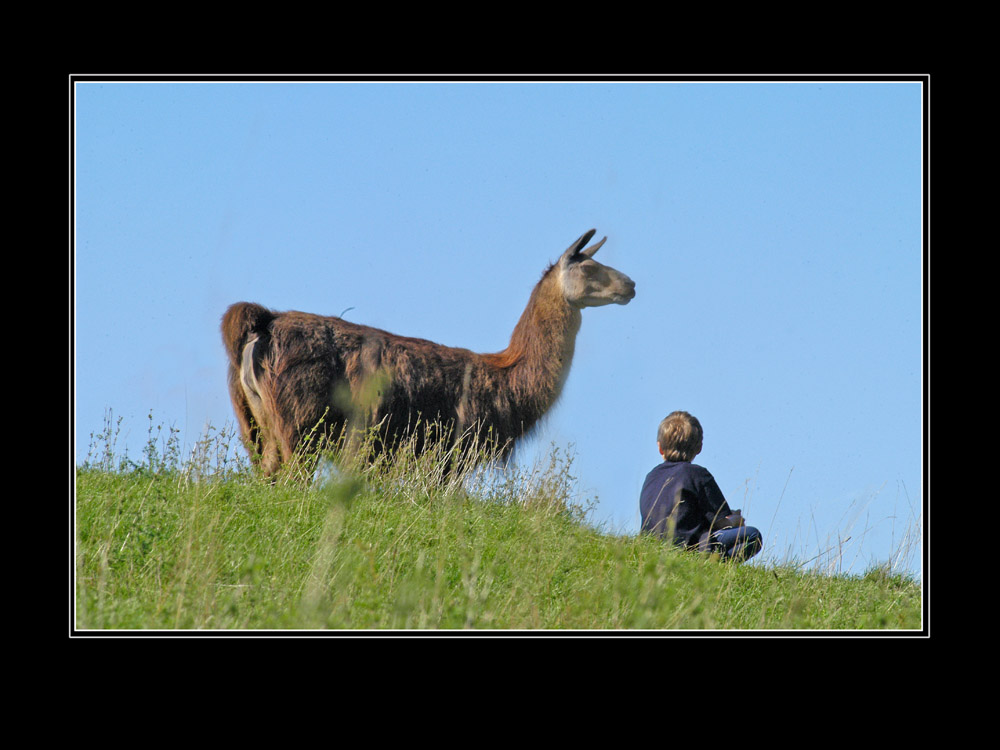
(681, 502)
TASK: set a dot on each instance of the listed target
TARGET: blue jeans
(739, 543)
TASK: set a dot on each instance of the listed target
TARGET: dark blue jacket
(685, 497)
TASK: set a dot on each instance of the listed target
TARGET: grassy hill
(202, 543)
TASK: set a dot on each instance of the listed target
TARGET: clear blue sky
(773, 230)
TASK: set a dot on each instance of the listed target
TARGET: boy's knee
(754, 542)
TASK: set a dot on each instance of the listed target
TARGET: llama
(291, 373)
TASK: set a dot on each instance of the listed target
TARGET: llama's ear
(575, 247)
(589, 252)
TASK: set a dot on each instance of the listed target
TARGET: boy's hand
(735, 520)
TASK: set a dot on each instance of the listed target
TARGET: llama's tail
(240, 322)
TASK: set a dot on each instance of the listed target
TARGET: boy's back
(685, 494)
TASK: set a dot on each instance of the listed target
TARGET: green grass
(200, 542)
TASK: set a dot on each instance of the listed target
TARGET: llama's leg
(249, 432)
(279, 446)
(272, 447)
(271, 460)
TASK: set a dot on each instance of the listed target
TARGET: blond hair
(679, 436)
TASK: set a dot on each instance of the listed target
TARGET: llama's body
(291, 372)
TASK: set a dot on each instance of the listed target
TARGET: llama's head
(587, 283)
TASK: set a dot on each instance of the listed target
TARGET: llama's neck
(536, 362)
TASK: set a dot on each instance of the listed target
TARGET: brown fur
(292, 371)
